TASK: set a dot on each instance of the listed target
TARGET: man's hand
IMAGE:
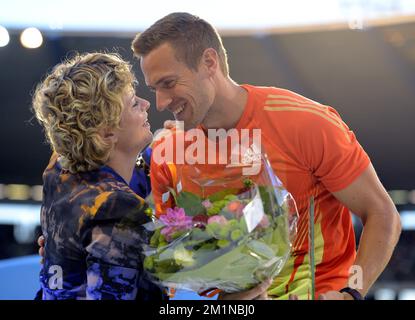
(329, 295)
(170, 124)
(257, 293)
(335, 295)
(41, 243)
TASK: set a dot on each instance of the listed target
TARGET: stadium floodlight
(31, 38)
(4, 37)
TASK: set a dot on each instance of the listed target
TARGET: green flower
(224, 232)
(236, 235)
(233, 224)
(166, 266)
(248, 183)
(149, 212)
(183, 257)
(230, 197)
(223, 243)
(213, 230)
(149, 263)
(208, 246)
(154, 241)
(216, 207)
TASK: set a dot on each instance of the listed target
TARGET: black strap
(353, 292)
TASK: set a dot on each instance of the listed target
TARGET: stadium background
(365, 68)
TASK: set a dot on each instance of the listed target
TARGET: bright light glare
(4, 37)
(31, 38)
(136, 15)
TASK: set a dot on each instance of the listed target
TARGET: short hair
(81, 96)
(189, 35)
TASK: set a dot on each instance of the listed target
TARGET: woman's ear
(109, 135)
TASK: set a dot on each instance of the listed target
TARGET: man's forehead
(155, 68)
(153, 77)
(151, 73)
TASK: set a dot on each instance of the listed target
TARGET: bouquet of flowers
(232, 239)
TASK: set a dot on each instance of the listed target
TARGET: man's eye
(169, 84)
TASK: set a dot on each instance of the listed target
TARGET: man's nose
(163, 100)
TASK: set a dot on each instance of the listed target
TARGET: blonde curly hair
(79, 98)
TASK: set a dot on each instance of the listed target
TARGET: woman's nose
(144, 104)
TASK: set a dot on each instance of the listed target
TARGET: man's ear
(210, 60)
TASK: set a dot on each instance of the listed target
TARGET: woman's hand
(41, 243)
(257, 293)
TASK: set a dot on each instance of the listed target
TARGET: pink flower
(218, 219)
(207, 204)
(174, 221)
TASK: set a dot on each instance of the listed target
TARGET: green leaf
(199, 234)
(237, 269)
(191, 203)
(261, 249)
(232, 270)
(268, 199)
(154, 241)
(173, 193)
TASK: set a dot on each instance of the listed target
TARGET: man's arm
(367, 198)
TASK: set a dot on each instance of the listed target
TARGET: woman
(91, 219)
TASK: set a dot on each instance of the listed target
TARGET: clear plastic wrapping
(232, 239)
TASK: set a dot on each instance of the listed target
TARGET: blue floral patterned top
(94, 236)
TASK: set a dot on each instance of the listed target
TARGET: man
(310, 148)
